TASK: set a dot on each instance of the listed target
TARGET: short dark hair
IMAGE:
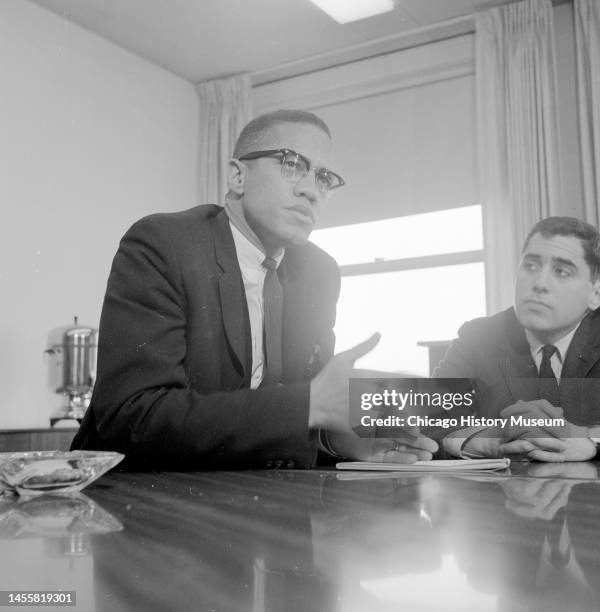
(570, 226)
(254, 133)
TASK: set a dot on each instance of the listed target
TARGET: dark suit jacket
(494, 350)
(174, 356)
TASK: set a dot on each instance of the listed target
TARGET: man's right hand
(411, 447)
(329, 402)
(329, 409)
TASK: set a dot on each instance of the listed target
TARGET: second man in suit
(540, 359)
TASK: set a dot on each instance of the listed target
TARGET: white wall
(91, 138)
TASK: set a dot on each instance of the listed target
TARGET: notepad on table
(442, 465)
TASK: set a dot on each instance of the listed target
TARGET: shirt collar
(248, 254)
(561, 345)
(238, 221)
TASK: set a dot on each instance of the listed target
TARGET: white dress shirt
(556, 361)
(250, 259)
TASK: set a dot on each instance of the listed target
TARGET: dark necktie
(273, 305)
(547, 383)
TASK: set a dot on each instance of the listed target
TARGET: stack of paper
(442, 465)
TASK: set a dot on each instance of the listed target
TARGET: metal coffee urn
(74, 350)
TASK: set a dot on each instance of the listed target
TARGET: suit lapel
(582, 355)
(297, 306)
(521, 379)
(517, 365)
(584, 350)
(233, 299)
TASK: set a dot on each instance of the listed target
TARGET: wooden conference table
(314, 541)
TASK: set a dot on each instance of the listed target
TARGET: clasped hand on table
(567, 442)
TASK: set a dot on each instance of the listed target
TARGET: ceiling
(271, 39)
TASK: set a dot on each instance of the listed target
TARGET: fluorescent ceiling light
(344, 11)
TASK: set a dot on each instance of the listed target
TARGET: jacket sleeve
(458, 362)
(144, 404)
(460, 359)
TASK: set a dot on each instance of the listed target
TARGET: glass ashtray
(37, 472)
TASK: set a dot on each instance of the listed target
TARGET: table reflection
(45, 543)
(271, 541)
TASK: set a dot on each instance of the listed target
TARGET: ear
(594, 300)
(236, 177)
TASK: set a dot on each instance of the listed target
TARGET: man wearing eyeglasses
(216, 336)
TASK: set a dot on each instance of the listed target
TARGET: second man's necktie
(547, 383)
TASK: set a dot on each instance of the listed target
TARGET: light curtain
(587, 45)
(225, 107)
(519, 169)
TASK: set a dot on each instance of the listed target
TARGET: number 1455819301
(38, 598)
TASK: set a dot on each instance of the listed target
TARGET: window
(413, 278)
